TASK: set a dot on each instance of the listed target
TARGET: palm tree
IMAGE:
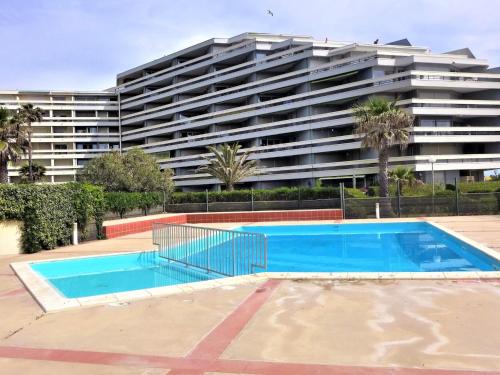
(13, 142)
(401, 174)
(37, 170)
(227, 166)
(29, 114)
(381, 126)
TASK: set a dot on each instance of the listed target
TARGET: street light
(432, 160)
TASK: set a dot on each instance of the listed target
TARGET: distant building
(76, 126)
(288, 98)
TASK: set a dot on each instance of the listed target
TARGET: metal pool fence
(225, 252)
(459, 204)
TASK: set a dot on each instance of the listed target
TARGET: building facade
(76, 127)
(289, 99)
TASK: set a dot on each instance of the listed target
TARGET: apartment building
(76, 127)
(289, 98)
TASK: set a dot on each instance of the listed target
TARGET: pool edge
(51, 300)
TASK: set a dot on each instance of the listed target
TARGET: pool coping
(52, 300)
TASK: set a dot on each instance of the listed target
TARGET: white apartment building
(288, 99)
(76, 127)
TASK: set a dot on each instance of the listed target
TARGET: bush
(49, 211)
(479, 187)
(354, 193)
(279, 194)
(122, 202)
(479, 204)
(146, 201)
(134, 171)
(88, 202)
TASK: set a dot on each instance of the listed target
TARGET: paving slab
(23, 366)
(404, 323)
(421, 324)
(164, 326)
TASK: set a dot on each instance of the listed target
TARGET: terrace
(264, 325)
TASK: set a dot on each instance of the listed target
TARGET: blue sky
(73, 44)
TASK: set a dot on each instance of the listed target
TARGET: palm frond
(227, 166)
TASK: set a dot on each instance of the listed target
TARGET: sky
(83, 44)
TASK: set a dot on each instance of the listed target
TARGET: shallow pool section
(83, 277)
(378, 247)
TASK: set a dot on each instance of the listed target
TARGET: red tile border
(13, 292)
(143, 223)
(195, 366)
(214, 344)
(205, 356)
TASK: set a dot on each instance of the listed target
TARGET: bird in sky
(270, 13)
(376, 41)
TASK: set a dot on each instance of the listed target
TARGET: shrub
(121, 202)
(479, 187)
(146, 201)
(354, 193)
(88, 202)
(46, 211)
(188, 197)
(279, 194)
(134, 171)
(49, 211)
(479, 204)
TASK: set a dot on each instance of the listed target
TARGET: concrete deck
(270, 327)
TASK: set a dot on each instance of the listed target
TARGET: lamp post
(432, 160)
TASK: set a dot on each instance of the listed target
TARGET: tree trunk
(383, 180)
(229, 186)
(4, 172)
(383, 172)
(30, 156)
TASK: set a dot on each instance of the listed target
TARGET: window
(60, 147)
(443, 123)
(60, 98)
(86, 146)
(435, 122)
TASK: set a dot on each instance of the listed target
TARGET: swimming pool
(83, 277)
(379, 247)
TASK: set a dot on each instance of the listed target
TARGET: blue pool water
(92, 276)
(388, 247)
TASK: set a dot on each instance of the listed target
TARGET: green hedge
(122, 202)
(89, 202)
(279, 194)
(479, 187)
(49, 211)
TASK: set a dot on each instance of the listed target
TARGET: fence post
(75, 233)
(251, 192)
(233, 252)
(342, 200)
(298, 200)
(457, 204)
(399, 198)
(206, 198)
